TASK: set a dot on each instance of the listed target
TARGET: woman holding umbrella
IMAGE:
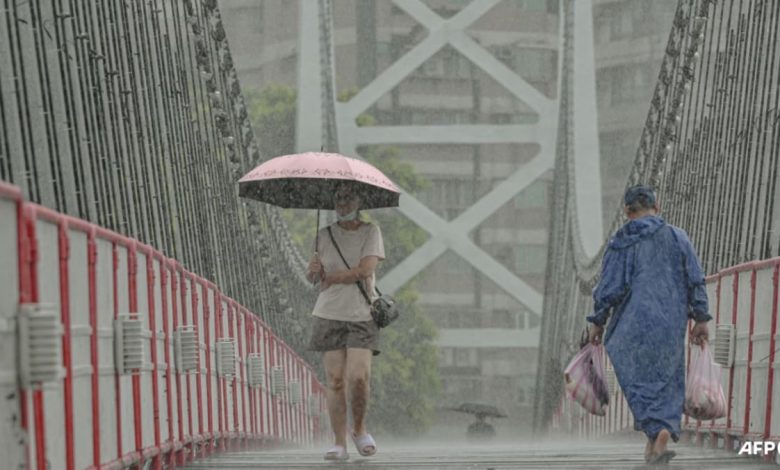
(347, 253)
(343, 328)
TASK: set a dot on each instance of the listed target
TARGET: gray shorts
(332, 335)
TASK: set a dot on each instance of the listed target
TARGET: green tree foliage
(405, 378)
(272, 113)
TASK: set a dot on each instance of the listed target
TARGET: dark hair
(640, 203)
(348, 187)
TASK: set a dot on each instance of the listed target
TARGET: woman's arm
(361, 272)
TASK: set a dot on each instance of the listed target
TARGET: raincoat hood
(635, 231)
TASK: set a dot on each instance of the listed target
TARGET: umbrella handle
(317, 235)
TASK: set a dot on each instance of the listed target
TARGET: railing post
(728, 438)
(207, 319)
(749, 373)
(64, 257)
(132, 271)
(166, 328)
(713, 434)
(179, 457)
(150, 283)
(93, 344)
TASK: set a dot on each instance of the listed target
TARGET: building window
(535, 64)
(446, 358)
(383, 52)
(623, 83)
(452, 263)
(453, 64)
(530, 259)
(462, 388)
(504, 319)
(532, 197)
(501, 384)
(433, 67)
(466, 357)
(629, 19)
(621, 23)
(449, 194)
(533, 5)
(500, 118)
(505, 54)
(459, 319)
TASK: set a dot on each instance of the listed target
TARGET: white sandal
(366, 446)
(338, 453)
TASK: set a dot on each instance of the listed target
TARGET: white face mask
(349, 217)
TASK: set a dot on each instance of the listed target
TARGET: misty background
(462, 336)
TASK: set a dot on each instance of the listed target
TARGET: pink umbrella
(308, 181)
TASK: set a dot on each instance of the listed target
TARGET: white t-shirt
(344, 302)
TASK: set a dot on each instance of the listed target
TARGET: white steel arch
(453, 234)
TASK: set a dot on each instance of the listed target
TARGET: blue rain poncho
(651, 284)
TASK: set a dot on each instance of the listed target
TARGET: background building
(629, 39)
(480, 356)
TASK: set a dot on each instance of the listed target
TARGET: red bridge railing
(142, 360)
(744, 305)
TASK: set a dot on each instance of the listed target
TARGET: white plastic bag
(704, 398)
(585, 382)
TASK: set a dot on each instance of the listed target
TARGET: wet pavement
(616, 453)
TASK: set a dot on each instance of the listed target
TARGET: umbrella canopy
(309, 180)
(480, 409)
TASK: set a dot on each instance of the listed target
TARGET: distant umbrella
(480, 409)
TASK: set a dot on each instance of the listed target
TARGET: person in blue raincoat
(651, 284)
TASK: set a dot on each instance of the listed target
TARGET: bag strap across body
(357, 283)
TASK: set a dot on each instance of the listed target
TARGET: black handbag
(384, 310)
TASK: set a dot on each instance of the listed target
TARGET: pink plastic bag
(704, 398)
(584, 377)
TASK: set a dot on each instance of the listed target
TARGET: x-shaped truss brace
(454, 234)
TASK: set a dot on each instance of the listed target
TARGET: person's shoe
(661, 459)
(337, 453)
(660, 455)
(649, 449)
(660, 441)
(366, 446)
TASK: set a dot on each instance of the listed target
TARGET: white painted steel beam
(496, 69)
(440, 32)
(455, 134)
(10, 445)
(459, 242)
(504, 191)
(308, 130)
(413, 264)
(453, 235)
(587, 175)
(393, 75)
